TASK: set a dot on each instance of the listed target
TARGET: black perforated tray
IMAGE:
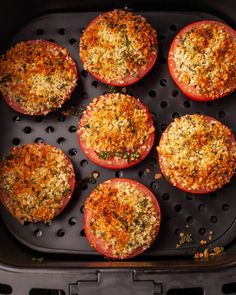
(195, 214)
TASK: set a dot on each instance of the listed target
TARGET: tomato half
(190, 91)
(129, 79)
(111, 162)
(5, 200)
(178, 184)
(98, 243)
(18, 107)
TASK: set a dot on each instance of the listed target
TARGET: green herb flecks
(104, 155)
(37, 259)
(127, 41)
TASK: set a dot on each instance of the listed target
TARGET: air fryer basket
(32, 253)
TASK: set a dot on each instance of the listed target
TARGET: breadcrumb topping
(36, 179)
(197, 152)
(37, 75)
(117, 44)
(205, 58)
(116, 126)
(123, 216)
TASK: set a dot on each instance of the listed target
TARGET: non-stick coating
(195, 214)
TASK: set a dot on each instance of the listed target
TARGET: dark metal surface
(182, 212)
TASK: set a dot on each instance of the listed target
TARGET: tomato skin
(98, 244)
(178, 185)
(18, 107)
(122, 163)
(4, 199)
(187, 90)
(128, 80)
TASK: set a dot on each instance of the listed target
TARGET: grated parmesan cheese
(116, 126)
(205, 58)
(117, 44)
(197, 152)
(123, 217)
(36, 179)
(37, 75)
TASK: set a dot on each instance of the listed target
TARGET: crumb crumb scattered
(184, 238)
(206, 253)
(158, 176)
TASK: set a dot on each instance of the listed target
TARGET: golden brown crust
(204, 58)
(197, 153)
(35, 180)
(124, 218)
(116, 45)
(37, 75)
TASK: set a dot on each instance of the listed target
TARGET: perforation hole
(140, 173)
(202, 231)
(201, 208)
(178, 208)
(72, 221)
(72, 129)
(163, 104)
(82, 209)
(83, 163)
(162, 38)
(39, 119)
(174, 93)
(163, 60)
(153, 162)
(163, 127)
(84, 95)
(163, 82)
(165, 196)
(38, 233)
(60, 233)
(27, 130)
(213, 219)
(49, 129)
(82, 233)
(62, 31)
(72, 41)
(52, 40)
(26, 223)
(16, 141)
(189, 196)
(221, 114)
(213, 196)
(154, 116)
(189, 219)
(173, 28)
(175, 115)
(82, 30)
(187, 104)
(39, 140)
(225, 207)
(84, 186)
(61, 140)
(84, 74)
(16, 119)
(95, 84)
(154, 185)
(5, 289)
(61, 118)
(209, 104)
(119, 174)
(73, 152)
(40, 32)
(152, 93)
